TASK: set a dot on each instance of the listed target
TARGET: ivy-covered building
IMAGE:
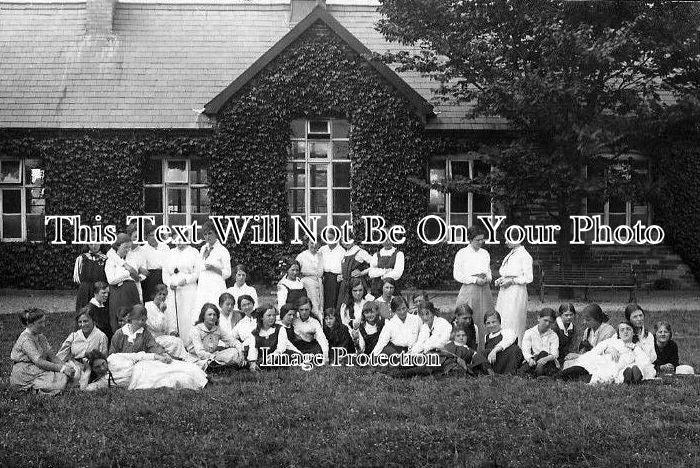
(182, 109)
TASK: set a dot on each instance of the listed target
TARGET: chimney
(99, 16)
(299, 9)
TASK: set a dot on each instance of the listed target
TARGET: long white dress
(604, 369)
(137, 371)
(157, 324)
(181, 313)
(312, 279)
(512, 300)
(211, 284)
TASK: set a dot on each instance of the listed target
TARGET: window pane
(9, 172)
(319, 203)
(617, 220)
(153, 172)
(11, 201)
(319, 149)
(33, 175)
(617, 205)
(299, 128)
(297, 150)
(341, 201)
(318, 175)
(295, 175)
(319, 126)
(176, 172)
(461, 219)
(177, 199)
(460, 169)
(341, 150)
(437, 198)
(341, 174)
(35, 227)
(481, 204)
(481, 168)
(341, 128)
(11, 226)
(198, 172)
(35, 200)
(200, 200)
(338, 220)
(153, 200)
(459, 202)
(177, 219)
(295, 201)
(594, 206)
(322, 221)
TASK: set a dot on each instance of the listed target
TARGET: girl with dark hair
(460, 359)
(290, 288)
(98, 308)
(351, 311)
(96, 374)
(245, 326)
(566, 332)
(122, 279)
(267, 334)
(229, 315)
(133, 337)
(666, 349)
(365, 333)
(384, 301)
(501, 347)
(36, 368)
(240, 287)
(87, 338)
(337, 334)
(598, 329)
(89, 269)
(207, 337)
(634, 314)
(355, 264)
(464, 317)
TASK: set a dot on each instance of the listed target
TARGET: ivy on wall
(86, 175)
(319, 76)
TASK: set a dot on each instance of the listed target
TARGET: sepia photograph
(320, 233)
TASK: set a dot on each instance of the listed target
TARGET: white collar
(566, 330)
(94, 302)
(389, 251)
(126, 329)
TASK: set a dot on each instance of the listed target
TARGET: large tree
(576, 81)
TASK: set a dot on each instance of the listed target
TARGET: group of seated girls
(144, 354)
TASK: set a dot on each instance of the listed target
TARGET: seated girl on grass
(501, 348)
(665, 348)
(157, 325)
(207, 338)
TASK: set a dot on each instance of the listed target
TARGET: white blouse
(535, 342)
(156, 322)
(186, 262)
(332, 258)
(400, 333)
(517, 265)
(243, 330)
(469, 263)
(238, 291)
(310, 330)
(218, 256)
(431, 338)
(311, 265)
(508, 338)
(115, 270)
(155, 258)
(77, 344)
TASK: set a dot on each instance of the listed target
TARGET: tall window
(318, 170)
(616, 210)
(458, 208)
(21, 200)
(176, 191)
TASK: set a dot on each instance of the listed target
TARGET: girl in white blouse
(635, 315)
(290, 288)
(157, 324)
(240, 287)
(122, 279)
(214, 267)
(311, 271)
(516, 274)
(180, 275)
(87, 338)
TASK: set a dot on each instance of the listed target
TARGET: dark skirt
(148, 285)
(84, 295)
(508, 361)
(125, 295)
(330, 290)
(308, 347)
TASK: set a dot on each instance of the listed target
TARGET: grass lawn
(351, 416)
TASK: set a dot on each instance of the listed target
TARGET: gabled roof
(319, 13)
(164, 61)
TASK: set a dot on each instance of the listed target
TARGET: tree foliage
(577, 81)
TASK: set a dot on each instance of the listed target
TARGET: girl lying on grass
(616, 360)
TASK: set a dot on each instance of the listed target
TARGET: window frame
(329, 163)
(23, 185)
(448, 159)
(164, 186)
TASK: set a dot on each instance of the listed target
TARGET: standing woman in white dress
(516, 274)
(180, 275)
(311, 262)
(472, 268)
(214, 268)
